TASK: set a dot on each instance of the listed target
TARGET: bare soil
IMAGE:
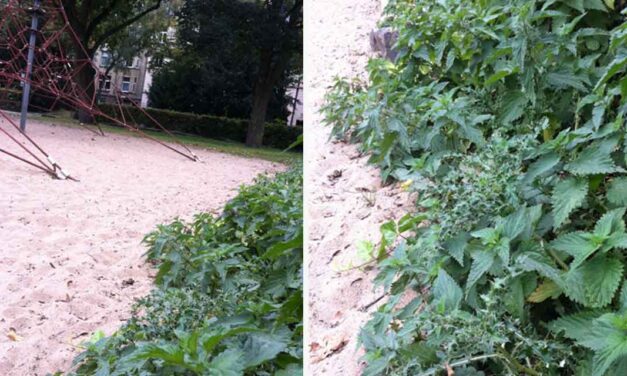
(345, 201)
(70, 253)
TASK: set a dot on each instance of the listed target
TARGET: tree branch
(114, 29)
(91, 27)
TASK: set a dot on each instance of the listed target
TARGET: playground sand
(346, 202)
(71, 254)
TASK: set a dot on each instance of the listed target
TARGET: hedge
(277, 135)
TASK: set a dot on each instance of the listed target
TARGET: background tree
(213, 67)
(96, 22)
(279, 37)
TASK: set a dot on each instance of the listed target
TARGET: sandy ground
(70, 254)
(345, 200)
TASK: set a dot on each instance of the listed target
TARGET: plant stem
(461, 363)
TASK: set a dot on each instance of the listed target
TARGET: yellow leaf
(12, 335)
(548, 289)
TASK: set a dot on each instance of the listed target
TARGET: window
(105, 59)
(106, 84)
(131, 63)
(126, 84)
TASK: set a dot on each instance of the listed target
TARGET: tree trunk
(261, 99)
(86, 82)
(272, 67)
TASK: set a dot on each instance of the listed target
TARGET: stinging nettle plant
(507, 117)
(228, 297)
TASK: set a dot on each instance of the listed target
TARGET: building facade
(127, 78)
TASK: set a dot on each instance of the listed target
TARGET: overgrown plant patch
(507, 118)
(228, 297)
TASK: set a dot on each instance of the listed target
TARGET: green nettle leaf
(612, 344)
(498, 75)
(616, 66)
(526, 210)
(540, 263)
(610, 222)
(575, 244)
(579, 328)
(227, 363)
(595, 5)
(261, 347)
(563, 80)
(447, 292)
(513, 107)
(623, 297)
(457, 246)
(541, 166)
(592, 160)
(568, 195)
(602, 277)
(617, 192)
(481, 263)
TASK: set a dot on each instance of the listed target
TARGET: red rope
(54, 77)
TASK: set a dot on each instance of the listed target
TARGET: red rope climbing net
(60, 64)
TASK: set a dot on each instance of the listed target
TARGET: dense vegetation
(277, 134)
(211, 67)
(507, 118)
(234, 59)
(229, 294)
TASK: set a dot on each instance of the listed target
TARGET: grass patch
(228, 147)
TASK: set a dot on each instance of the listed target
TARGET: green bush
(229, 296)
(507, 117)
(277, 135)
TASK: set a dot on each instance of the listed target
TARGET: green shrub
(507, 117)
(277, 135)
(229, 298)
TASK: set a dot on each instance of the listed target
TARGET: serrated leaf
(457, 246)
(568, 195)
(227, 363)
(617, 192)
(261, 347)
(515, 223)
(563, 80)
(518, 290)
(575, 244)
(541, 166)
(498, 75)
(481, 263)
(611, 346)
(602, 277)
(592, 160)
(610, 222)
(572, 283)
(595, 5)
(623, 297)
(615, 66)
(577, 327)
(539, 263)
(447, 292)
(513, 107)
(576, 4)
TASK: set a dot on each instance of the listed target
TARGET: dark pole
(29, 65)
(295, 103)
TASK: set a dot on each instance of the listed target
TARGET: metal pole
(29, 65)
(295, 103)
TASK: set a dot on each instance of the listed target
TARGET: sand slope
(70, 254)
(345, 200)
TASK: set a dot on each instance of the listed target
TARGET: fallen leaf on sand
(12, 335)
(330, 346)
